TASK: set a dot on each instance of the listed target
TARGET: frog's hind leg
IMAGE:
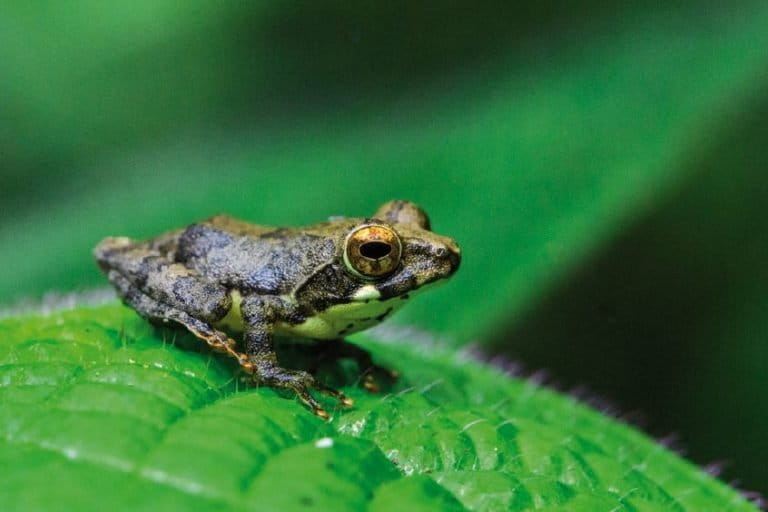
(161, 290)
(152, 271)
(159, 312)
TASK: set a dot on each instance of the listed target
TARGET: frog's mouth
(371, 292)
(410, 283)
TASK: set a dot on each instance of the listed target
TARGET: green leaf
(100, 411)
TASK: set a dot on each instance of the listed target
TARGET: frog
(242, 287)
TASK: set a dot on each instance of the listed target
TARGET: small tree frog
(319, 282)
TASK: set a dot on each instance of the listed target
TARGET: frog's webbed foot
(217, 340)
(299, 382)
(372, 375)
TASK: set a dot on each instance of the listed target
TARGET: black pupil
(375, 250)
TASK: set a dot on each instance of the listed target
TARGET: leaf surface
(100, 411)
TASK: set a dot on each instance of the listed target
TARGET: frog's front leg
(260, 315)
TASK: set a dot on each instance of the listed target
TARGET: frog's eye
(372, 251)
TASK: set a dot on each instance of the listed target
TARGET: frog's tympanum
(320, 282)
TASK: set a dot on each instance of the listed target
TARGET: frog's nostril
(375, 250)
(441, 252)
(455, 261)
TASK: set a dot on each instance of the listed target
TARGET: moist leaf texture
(99, 410)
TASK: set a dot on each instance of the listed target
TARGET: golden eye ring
(372, 251)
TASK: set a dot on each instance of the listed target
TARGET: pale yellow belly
(341, 320)
(335, 322)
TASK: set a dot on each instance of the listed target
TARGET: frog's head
(396, 253)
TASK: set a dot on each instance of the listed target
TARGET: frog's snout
(105, 250)
(449, 255)
(454, 258)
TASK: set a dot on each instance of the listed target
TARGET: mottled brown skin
(288, 279)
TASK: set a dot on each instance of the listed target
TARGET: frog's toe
(308, 400)
(341, 397)
(375, 376)
(301, 383)
(319, 411)
(370, 384)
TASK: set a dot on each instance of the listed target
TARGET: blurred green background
(603, 166)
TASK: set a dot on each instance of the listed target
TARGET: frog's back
(252, 258)
(236, 227)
